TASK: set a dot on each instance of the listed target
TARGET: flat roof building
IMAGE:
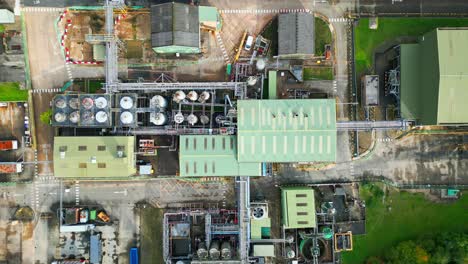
(296, 34)
(213, 155)
(94, 157)
(434, 78)
(293, 130)
(370, 86)
(6, 16)
(298, 206)
(175, 28)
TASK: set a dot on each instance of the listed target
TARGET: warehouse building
(434, 78)
(296, 34)
(295, 130)
(94, 157)
(298, 207)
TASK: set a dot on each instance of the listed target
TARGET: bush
(46, 117)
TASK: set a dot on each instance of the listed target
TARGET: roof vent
(120, 154)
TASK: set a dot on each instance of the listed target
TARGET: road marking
(263, 11)
(223, 48)
(42, 9)
(338, 19)
(77, 192)
(57, 90)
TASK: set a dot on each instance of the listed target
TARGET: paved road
(412, 7)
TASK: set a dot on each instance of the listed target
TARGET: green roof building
(94, 157)
(297, 130)
(298, 206)
(212, 155)
(209, 17)
(272, 85)
(260, 228)
(434, 78)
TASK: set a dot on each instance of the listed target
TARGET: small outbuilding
(296, 34)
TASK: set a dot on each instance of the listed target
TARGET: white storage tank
(204, 96)
(226, 252)
(60, 103)
(87, 102)
(214, 250)
(74, 103)
(179, 118)
(126, 102)
(126, 118)
(204, 119)
(101, 102)
(192, 119)
(74, 117)
(101, 116)
(158, 119)
(60, 117)
(178, 96)
(158, 101)
(192, 95)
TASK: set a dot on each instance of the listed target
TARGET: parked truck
(11, 167)
(8, 144)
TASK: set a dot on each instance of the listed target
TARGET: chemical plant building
(433, 84)
(175, 27)
(94, 157)
(298, 206)
(296, 34)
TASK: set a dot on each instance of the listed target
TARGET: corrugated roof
(94, 157)
(272, 88)
(297, 130)
(175, 24)
(256, 226)
(298, 205)
(433, 88)
(212, 155)
(296, 33)
(95, 250)
(6, 16)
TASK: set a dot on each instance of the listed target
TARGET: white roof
(6, 16)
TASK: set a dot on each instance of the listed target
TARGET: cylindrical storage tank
(101, 102)
(214, 250)
(158, 101)
(126, 102)
(204, 119)
(158, 119)
(74, 117)
(260, 64)
(179, 118)
(87, 102)
(60, 103)
(202, 253)
(204, 96)
(101, 116)
(289, 252)
(252, 80)
(192, 95)
(126, 118)
(74, 103)
(192, 119)
(60, 117)
(87, 117)
(178, 96)
(226, 252)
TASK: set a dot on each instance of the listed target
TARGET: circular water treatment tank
(74, 117)
(159, 119)
(60, 103)
(192, 119)
(158, 101)
(290, 253)
(74, 103)
(60, 117)
(204, 119)
(192, 95)
(126, 117)
(101, 116)
(126, 102)
(179, 118)
(101, 102)
(204, 96)
(87, 102)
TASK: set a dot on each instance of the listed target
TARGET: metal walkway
(371, 125)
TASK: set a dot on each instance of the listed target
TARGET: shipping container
(8, 144)
(11, 167)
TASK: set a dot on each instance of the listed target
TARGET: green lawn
(366, 40)
(2, 28)
(410, 216)
(322, 36)
(10, 92)
(318, 73)
(151, 235)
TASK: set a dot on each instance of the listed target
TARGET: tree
(46, 117)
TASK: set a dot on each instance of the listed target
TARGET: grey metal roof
(95, 249)
(175, 24)
(296, 34)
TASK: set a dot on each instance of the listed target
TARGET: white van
(248, 43)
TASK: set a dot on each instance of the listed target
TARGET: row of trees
(446, 248)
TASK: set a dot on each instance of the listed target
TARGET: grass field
(151, 235)
(10, 92)
(366, 40)
(396, 216)
(318, 73)
(2, 28)
(322, 36)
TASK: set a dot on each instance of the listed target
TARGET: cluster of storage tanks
(218, 249)
(191, 97)
(81, 110)
(127, 107)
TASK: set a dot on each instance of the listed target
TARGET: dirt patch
(365, 140)
(28, 230)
